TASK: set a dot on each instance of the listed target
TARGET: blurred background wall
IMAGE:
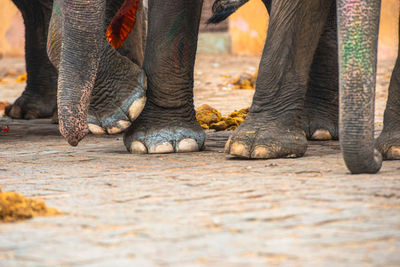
(244, 34)
(11, 30)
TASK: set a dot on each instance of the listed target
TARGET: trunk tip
(368, 165)
(73, 131)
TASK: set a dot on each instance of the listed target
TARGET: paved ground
(196, 209)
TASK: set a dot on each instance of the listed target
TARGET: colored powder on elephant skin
(15, 207)
(210, 119)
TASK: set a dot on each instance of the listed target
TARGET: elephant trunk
(358, 25)
(82, 36)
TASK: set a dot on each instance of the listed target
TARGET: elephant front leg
(273, 128)
(388, 142)
(320, 121)
(167, 123)
(39, 97)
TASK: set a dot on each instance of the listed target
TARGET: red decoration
(123, 23)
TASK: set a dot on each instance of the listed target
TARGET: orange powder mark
(123, 23)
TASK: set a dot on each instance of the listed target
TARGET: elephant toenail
(161, 148)
(393, 153)
(136, 108)
(138, 147)
(187, 145)
(122, 125)
(96, 129)
(32, 114)
(228, 143)
(261, 152)
(240, 150)
(321, 134)
(15, 111)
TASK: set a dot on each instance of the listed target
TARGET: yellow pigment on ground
(3, 104)
(210, 119)
(22, 78)
(3, 81)
(244, 81)
(15, 207)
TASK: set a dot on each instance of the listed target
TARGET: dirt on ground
(194, 209)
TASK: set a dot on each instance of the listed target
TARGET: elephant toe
(393, 153)
(321, 135)
(257, 139)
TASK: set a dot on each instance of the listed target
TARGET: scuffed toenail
(136, 108)
(15, 112)
(122, 125)
(261, 152)
(138, 147)
(393, 153)
(240, 150)
(95, 129)
(228, 143)
(32, 114)
(187, 145)
(321, 134)
(161, 148)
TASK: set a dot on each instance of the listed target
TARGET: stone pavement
(194, 209)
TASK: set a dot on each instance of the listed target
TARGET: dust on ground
(195, 209)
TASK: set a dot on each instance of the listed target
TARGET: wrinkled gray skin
(293, 84)
(167, 123)
(39, 97)
(295, 97)
(110, 106)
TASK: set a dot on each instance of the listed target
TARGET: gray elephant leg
(388, 142)
(167, 123)
(273, 126)
(39, 97)
(118, 94)
(322, 98)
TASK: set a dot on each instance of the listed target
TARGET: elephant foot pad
(29, 107)
(260, 140)
(115, 106)
(146, 137)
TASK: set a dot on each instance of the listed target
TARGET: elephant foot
(320, 127)
(158, 131)
(388, 143)
(119, 95)
(261, 139)
(32, 106)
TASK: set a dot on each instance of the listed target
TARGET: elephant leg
(118, 94)
(388, 142)
(273, 126)
(39, 97)
(167, 123)
(322, 100)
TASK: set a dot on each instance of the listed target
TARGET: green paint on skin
(175, 28)
(355, 51)
(58, 10)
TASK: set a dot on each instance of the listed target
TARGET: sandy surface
(195, 209)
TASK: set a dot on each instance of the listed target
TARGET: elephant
(292, 83)
(167, 122)
(282, 89)
(111, 111)
(39, 97)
